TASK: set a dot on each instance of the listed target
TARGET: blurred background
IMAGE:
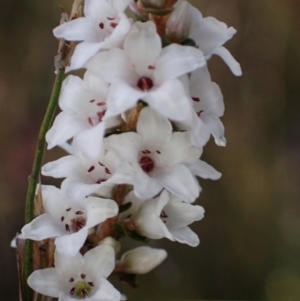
(250, 237)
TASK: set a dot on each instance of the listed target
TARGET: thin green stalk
(35, 174)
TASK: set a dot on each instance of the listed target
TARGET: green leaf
(135, 236)
(188, 42)
(165, 42)
(119, 228)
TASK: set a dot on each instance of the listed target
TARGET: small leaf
(135, 236)
(124, 207)
(188, 42)
(119, 228)
(165, 42)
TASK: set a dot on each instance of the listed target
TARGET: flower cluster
(134, 126)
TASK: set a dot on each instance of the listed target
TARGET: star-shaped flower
(167, 216)
(85, 176)
(79, 277)
(67, 221)
(208, 33)
(144, 70)
(104, 26)
(83, 104)
(157, 157)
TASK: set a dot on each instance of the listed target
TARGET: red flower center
(147, 164)
(145, 83)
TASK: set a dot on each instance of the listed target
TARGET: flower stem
(35, 175)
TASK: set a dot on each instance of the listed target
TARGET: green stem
(35, 175)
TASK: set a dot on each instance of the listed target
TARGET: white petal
(54, 201)
(80, 29)
(98, 210)
(70, 244)
(121, 97)
(46, 282)
(126, 145)
(216, 127)
(65, 126)
(234, 66)
(211, 33)
(72, 92)
(82, 54)
(145, 187)
(43, 226)
(179, 150)
(204, 170)
(142, 260)
(199, 133)
(186, 236)
(96, 85)
(76, 190)
(68, 166)
(154, 129)
(100, 261)
(96, 10)
(66, 265)
(176, 60)
(120, 5)
(147, 219)
(179, 181)
(65, 297)
(212, 101)
(200, 79)
(106, 292)
(90, 142)
(170, 100)
(143, 46)
(116, 39)
(181, 214)
(112, 65)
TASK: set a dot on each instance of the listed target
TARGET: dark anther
(91, 168)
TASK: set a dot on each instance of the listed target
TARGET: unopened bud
(179, 24)
(109, 241)
(142, 260)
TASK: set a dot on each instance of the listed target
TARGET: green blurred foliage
(250, 242)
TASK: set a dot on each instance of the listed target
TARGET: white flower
(111, 242)
(84, 176)
(141, 260)
(79, 277)
(83, 104)
(157, 157)
(103, 27)
(179, 24)
(67, 221)
(209, 106)
(167, 216)
(208, 33)
(143, 70)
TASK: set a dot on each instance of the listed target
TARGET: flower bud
(142, 260)
(109, 241)
(180, 22)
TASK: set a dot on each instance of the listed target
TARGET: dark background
(250, 242)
